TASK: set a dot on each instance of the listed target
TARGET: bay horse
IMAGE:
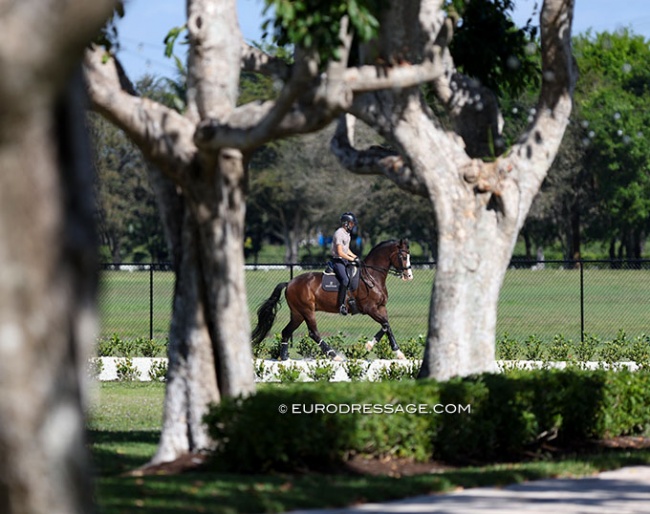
(305, 296)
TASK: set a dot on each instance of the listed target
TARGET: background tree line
(596, 195)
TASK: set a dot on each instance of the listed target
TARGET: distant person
(343, 257)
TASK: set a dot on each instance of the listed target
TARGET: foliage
(126, 370)
(158, 371)
(261, 371)
(127, 215)
(599, 188)
(587, 347)
(321, 371)
(509, 416)
(288, 373)
(489, 47)
(291, 439)
(94, 368)
(315, 24)
(507, 348)
(115, 346)
(413, 348)
(308, 348)
(124, 429)
(356, 369)
(560, 349)
(395, 371)
(533, 348)
(383, 350)
(108, 35)
(261, 350)
(357, 350)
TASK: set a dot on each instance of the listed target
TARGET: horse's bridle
(402, 255)
(398, 271)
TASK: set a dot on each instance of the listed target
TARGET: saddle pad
(330, 283)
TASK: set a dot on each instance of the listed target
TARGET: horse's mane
(379, 246)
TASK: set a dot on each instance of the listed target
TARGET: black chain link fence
(545, 299)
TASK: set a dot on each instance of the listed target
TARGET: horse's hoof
(400, 355)
(369, 345)
(334, 356)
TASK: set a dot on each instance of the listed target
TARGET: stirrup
(343, 310)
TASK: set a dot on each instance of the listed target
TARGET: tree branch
(374, 160)
(254, 124)
(163, 135)
(367, 78)
(532, 156)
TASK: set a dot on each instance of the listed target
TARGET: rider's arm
(349, 256)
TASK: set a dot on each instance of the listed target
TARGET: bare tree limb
(374, 160)
(533, 154)
(373, 78)
(164, 135)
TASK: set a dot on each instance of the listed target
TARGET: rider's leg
(342, 274)
(340, 300)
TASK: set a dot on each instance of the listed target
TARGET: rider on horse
(343, 257)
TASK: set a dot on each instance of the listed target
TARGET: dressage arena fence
(545, 299)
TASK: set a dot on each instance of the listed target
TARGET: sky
(146, 23)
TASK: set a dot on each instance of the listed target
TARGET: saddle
(331, 284)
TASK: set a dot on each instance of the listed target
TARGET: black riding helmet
(346, 219)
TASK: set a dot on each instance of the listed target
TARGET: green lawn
(124, 426)
(543, 302)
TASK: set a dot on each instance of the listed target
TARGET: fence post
(582, 301)
(151, 300)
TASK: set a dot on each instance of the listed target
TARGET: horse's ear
(404, 242)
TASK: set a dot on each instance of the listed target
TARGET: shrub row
(296, 426)
(591, 348)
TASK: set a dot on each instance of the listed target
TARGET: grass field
(542, 302)
(124, 424)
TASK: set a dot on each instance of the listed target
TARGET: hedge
(509, 415)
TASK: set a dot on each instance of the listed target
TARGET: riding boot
(340, 302)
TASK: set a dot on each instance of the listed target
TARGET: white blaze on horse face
(407, 274)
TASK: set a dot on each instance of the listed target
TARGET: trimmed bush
(297, 426)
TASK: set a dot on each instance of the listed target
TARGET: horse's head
(401, 259)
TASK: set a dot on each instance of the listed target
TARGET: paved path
(624, 491)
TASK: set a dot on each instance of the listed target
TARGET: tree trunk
(191, 378)
(221, 231)
(47, 322)
(473, 255)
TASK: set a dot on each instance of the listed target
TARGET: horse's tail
(266, 314)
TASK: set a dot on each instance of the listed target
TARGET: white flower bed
(142, 368)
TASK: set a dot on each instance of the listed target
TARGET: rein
(389, 270)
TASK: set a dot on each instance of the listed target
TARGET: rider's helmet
(348, 221)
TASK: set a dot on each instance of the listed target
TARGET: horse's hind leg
(287, 332)
(315, 335)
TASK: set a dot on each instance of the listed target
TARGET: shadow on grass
(117, 452)
(207, 491)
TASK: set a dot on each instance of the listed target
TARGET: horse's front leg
(385, 330)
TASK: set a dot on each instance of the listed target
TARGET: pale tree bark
(203, 151)
(47, 255)
(479, 206)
